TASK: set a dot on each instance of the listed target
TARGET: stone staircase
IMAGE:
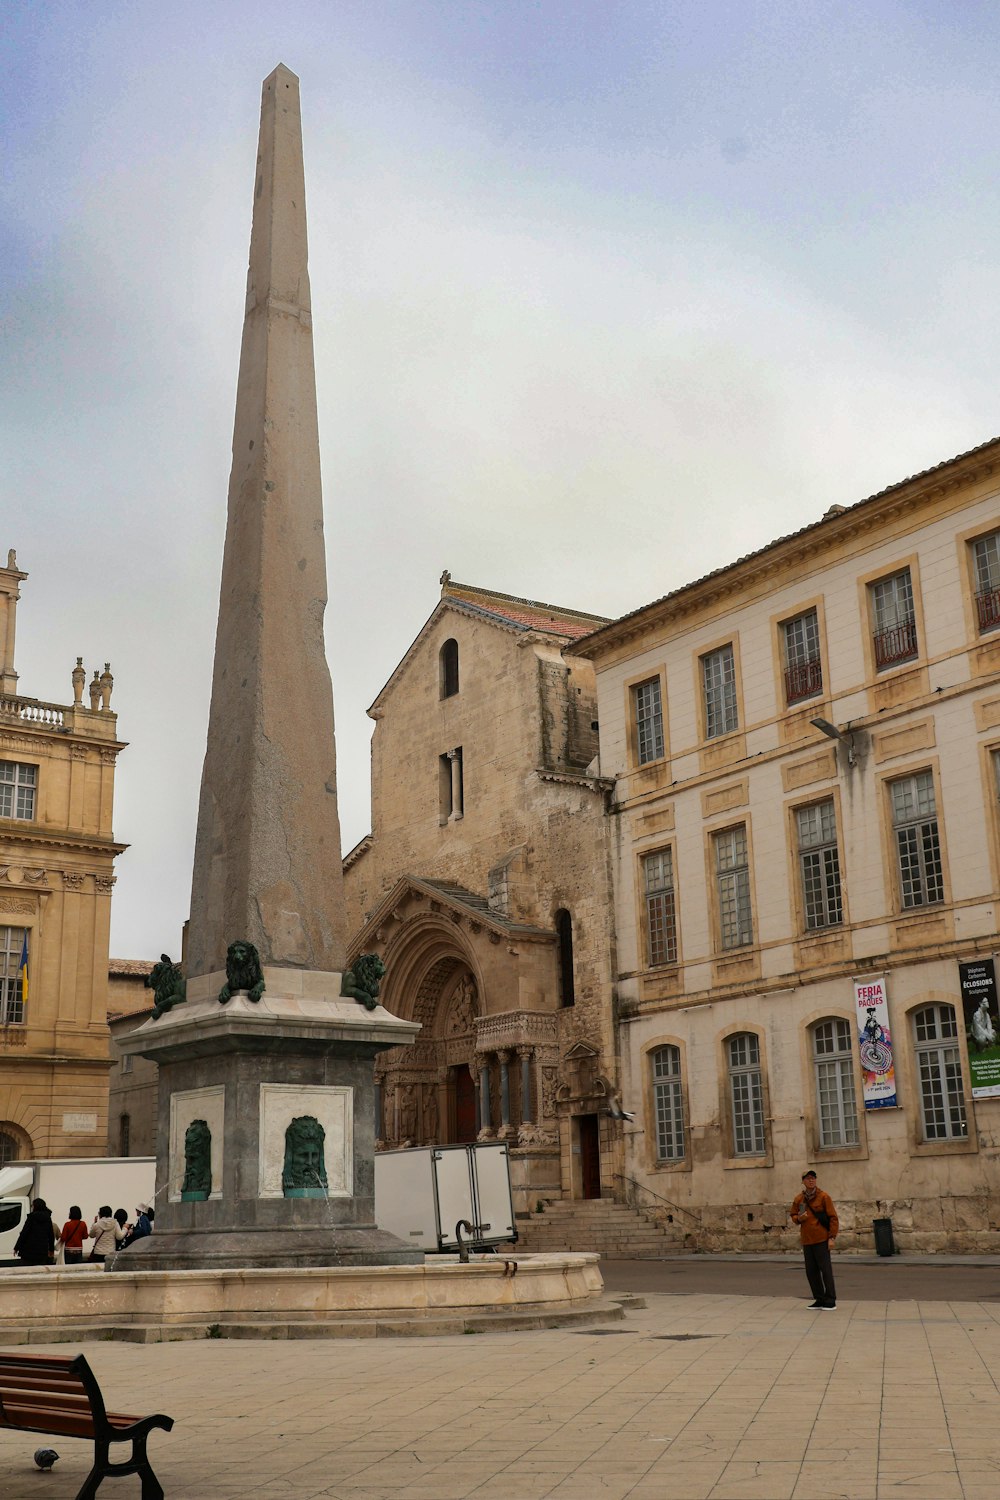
(616, 1231)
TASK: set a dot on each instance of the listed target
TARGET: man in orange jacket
(814, 1213)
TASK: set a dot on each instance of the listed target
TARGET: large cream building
(485, 888)
(794, 895)
(57, 853)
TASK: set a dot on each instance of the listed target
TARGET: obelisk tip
(283, 73)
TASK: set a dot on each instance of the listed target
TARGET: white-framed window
(647, 708)
(661, 908)
(986, 562)
(894, 617)
(668, 1103)
(833, 1068)
(18, 784)
(746, 1093)
(918, 846)
(732, 875)
(803, 666)
(11, 989)
(718, 676)
(819, 865)
(939, 1069)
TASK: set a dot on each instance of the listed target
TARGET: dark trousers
(820, 1271)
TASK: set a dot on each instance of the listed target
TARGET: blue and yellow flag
(22, 970)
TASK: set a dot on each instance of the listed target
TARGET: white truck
(87, 1182)
(422, 1192)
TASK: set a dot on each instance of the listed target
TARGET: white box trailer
(422, 1192)
(88, 1182)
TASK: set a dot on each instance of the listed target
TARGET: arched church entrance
(429, 1092)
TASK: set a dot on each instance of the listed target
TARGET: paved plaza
(697, 1397)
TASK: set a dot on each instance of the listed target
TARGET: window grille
(803, 667)
(746, 1088)
(648, 710)
(895, 636)
(833, 1065)
(8, 1148)
(986, 554)
(718, 671)
(661, 911)
(17, 790)
(819, 865)
(918, 848)
(11, 989)
(732, 873)
(668, 1103)
(939, 1068)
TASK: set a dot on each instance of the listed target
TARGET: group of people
(37, 1242)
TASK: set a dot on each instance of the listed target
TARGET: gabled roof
(838, 518)
(506, 612)
(457, 898)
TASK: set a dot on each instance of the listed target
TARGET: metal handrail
(695, 1219)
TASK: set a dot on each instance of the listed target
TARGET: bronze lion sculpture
(167, 983)
(243, 972)
(362, 979)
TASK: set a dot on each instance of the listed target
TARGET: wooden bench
(43, 1393)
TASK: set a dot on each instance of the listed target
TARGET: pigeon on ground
(45, 1458)
(615, 1109)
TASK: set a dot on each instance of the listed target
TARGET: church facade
(57, 853)
(484, 887)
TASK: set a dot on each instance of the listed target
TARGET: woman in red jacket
(72, 1236)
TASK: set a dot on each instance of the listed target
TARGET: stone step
(604, 1309)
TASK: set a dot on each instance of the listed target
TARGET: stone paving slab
(877, 1401)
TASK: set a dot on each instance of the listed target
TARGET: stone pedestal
(247, 1069)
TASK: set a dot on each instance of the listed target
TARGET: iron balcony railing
(803, 680)
(896, 643)
(988, 608)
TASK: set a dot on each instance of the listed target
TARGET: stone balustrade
(33, 711)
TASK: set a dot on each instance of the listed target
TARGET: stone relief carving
(304, 1172)
(431, 1114)
(407, 1112)
(15, 907)
(72, 880)
(197, 1161)
(550, 1082)
(105, 883)
(462, 1010)
(536, 1135)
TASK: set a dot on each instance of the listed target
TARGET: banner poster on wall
(875, 1043)
(982, 1025)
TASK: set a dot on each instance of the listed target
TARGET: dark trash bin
(884, 1243)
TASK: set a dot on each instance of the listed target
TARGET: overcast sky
(605, 295)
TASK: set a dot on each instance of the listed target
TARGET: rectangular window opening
(718, 675)
(803, 667)
(661, 911)
(732, 873)
(819, 865)
(895, 634)
(647, 709)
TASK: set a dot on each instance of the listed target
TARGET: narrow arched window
(564, 932)
(124, 1134)
(746, 1095)
(939, 1069)
(668, 1103)
(833, 1071)
(448, 662)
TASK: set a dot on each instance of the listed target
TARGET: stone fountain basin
(35, 1303)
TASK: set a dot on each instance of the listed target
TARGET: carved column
(506, 1129)
(525, 1054)
(485, 1113)
(455, 766)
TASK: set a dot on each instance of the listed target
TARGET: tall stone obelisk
(265, 1139)
(267, 863)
